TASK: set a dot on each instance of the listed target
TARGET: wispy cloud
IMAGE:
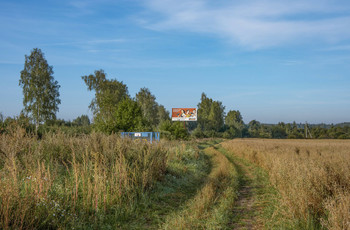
(89, 42)
(255, 24)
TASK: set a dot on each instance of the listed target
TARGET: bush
(174, 130)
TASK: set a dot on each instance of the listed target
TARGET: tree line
(115, 110)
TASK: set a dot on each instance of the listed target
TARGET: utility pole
(307, 130)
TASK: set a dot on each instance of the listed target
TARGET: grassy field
(311, 176)
(100, 181)
(82, 182)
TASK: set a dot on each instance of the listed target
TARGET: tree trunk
(36, 127)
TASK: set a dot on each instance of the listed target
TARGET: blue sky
(272, 60)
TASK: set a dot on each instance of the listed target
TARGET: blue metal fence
(149, 136)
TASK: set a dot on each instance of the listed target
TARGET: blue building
(147, 136)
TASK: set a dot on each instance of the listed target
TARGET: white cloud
(88, 42)
(255, 24)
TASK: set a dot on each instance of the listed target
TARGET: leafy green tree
(179, 131)
(234, 118)
(128, 117)
(82, 120)
(265, 131)
(40, 90)
(173, 130)
(210, 114)
(149, 106)
(254, 128)
(232, 132)
(108, 95)
(293, 132)
(203, 111)
(216, 116)
(278, 132)
(198, 132)
(163, 114)
(235, 123)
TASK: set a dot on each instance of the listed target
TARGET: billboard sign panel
(184, 114)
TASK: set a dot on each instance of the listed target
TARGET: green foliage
(173, 130)
(216, 116)
(128, 117)
(234, 118)
(294, 132)
(265, 132)
(198, 132)
(163, 114)
(70, 130)
(279, 132)
(254, 128)
(210, 114)
(232, 132)
(108, 95)
(83, 120)
(212, 133)
(235, 123)
(40, 90)
(149, 106)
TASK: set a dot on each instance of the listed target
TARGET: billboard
(184, 114)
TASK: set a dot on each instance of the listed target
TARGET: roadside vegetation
(62, 181)
(96, 181)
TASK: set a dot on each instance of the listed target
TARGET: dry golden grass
(62, 181)
(312, 176)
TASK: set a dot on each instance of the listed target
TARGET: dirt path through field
(211, 207)
(229, 193)
(254, 195)
(245, 211)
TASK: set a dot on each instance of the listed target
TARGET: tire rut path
(246, 210)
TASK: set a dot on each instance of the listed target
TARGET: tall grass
(312, 176)
(211, 207)
(64, 181)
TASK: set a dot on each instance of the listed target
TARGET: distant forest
(114, 110)
(212, 122)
